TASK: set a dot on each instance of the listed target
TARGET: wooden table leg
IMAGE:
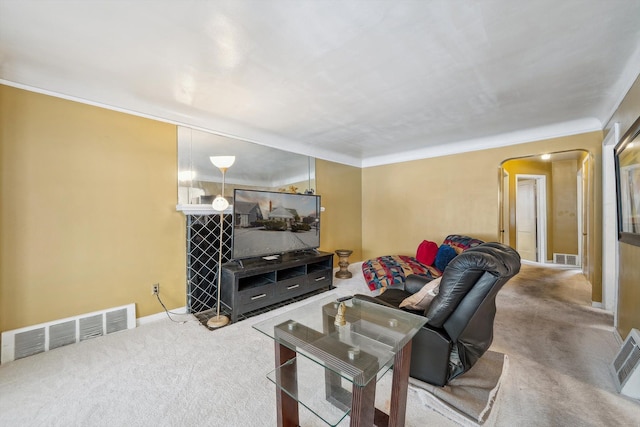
(399, 386)
(286, 406)
(363, 405)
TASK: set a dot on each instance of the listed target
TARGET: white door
(526, 220)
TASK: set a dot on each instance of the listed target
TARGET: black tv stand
(307, 252)
(255, 283)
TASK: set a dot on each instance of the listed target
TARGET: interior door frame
(610, 284)
(505, 210)
(580, 209)
(541, 213)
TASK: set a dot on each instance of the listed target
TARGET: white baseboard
(159, 316)
(618, 336)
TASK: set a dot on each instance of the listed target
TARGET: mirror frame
(628, 186)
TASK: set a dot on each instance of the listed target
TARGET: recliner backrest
(482, 292)
(465, 305)
(461, 280)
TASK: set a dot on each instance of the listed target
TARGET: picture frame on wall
(627, 160)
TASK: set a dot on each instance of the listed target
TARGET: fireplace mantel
(205, 209)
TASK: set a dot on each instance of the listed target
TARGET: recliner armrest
(361, 297)
(414, 283)
(430, 349)
(430, 356)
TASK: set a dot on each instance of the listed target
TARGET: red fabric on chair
(426, 253)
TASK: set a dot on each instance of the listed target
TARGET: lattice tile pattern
(203, 232)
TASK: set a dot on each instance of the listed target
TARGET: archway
(568, 188)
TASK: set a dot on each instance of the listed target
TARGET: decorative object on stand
(220, 204)
(343, 256)
(340, 320)
(292, 189)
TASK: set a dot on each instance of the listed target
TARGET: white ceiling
(361, 82)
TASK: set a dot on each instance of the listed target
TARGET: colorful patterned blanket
(393, 269)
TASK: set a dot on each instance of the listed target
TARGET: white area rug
(468, 399)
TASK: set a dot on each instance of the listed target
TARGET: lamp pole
(220, 204)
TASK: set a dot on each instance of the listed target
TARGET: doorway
(543, 207)
(531, 215)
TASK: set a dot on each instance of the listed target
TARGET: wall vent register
(626, 366)
(566, 259)
(23, 342)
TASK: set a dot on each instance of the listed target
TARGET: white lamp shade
(222, 162)
(187, 175)
(220, 203)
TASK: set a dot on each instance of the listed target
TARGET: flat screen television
(267, 223)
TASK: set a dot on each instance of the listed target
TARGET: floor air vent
(31, 340)
(566, 259)
(626, 366)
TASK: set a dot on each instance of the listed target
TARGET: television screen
(269, 223)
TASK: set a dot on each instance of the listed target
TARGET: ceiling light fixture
(545, 156)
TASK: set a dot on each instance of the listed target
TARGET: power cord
(169, 313)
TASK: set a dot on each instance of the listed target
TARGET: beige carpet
(169, 374)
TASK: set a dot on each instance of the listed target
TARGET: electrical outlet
(155, 289)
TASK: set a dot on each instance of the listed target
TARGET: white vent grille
(566, 259)
(63, 333)
(625, 367)
(31, 340)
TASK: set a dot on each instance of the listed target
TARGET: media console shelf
(260, 283)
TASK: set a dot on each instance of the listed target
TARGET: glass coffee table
(331, 367)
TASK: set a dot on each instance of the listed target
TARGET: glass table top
(358, 350)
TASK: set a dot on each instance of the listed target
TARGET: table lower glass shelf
(329, 403)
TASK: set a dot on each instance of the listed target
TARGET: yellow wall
(628, 265)
(404, 203)
(565, 207)
(629, 292)
(340, 188)
(88, 217)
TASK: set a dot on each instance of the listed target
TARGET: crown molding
(216, 126)
(263, 138)
(557, 130)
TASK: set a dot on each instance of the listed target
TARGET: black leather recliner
(460, 326)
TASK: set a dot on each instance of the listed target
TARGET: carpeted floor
(559, 350)
(170, 374)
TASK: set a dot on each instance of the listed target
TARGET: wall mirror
(256, 167)
(627, 155)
